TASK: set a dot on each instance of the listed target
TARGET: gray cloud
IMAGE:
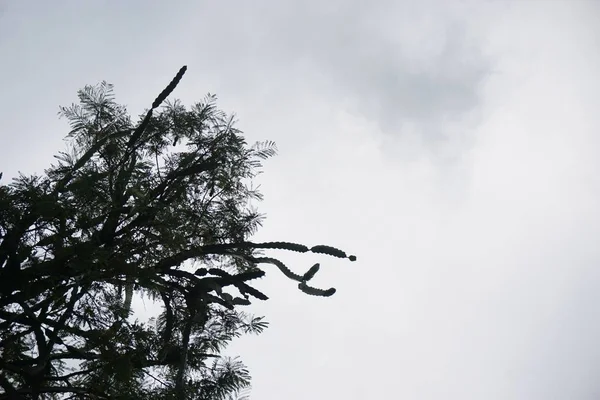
(399, 65)
(478, 282)
(383, 76)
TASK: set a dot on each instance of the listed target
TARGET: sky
(452, 146)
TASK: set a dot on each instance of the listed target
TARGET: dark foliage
(124, 212)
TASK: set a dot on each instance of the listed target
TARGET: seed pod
(332, 251)
(243, 288)
(227, 297)
(284, 246)
(315, 291)
(214, 299)
(172, 85)
(219, 272)
(286, 271)
(240, 301)
(249, 275)
(310, 273)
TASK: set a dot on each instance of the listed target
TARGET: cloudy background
(451, 145)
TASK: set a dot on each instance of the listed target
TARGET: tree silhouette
(162, 208)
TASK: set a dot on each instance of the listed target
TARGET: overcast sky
(453, 146)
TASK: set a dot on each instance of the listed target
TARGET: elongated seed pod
(169, 89)
(284, 246)
(315, 291)
(286, 271)
(206, 285)
(310, 273)
(227, 297)
(214, 299)
(240, 301)
(219, 272)
(249, 275)
(243, 288)
(332, 251)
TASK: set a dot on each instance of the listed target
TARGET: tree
(162, 208)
